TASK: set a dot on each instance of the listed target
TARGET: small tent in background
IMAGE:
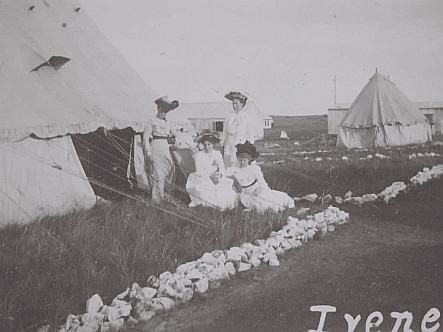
(61, 80)
(381, 116)
(284, 134)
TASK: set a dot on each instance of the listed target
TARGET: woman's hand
(215, 177)
(257, 191)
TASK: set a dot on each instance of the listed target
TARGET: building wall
(334, 119)
(336, 115)
(209, 124)
(267, 123)
(435, 116)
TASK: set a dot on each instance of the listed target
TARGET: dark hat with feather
(208, 138)
(236, 95)
(247, 149)
(165, 105)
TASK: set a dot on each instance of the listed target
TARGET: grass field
(53, 265)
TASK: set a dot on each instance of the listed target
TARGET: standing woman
(155, 141)
(237, 128)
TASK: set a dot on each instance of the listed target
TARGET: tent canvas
(59, 76)
(381, 116)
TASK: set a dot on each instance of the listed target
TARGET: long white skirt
(204, 192)
(267, 199)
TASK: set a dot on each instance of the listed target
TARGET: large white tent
(381, 116)
(59, 76)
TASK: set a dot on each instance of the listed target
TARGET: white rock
(123, 306)
(185, 268)
(302, 211)
(230, 268)
(279, 251)
(164, 277)
(166, 290)
(72, 323)
(236, 254)
(338, 200)
(186, 295)
(162, 303)
(94, 304)
(207, 258)
(311, 197)
(218, 273)
(274, 261)
(255, 261)
(113, 325)
(369, 198)
(194, 274)
(344, 158)
(311, 233)
(92, 322)
(201, 285)
(148, 292)
(296, 244)
(205, 268)
(243, 267)
(146, 315)
(331, 228)
(112, 313)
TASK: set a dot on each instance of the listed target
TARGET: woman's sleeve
(219, 162)
(259, 177)
(197, 162)
(225, 131)
(250, 132)
(147, 135)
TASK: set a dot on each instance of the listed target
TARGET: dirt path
(372, 264)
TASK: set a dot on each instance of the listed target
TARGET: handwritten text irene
(376, 318)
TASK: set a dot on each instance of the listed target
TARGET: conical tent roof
(381, 103)
(60, 75)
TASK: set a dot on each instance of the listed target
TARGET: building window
(218, 126)
(430, 118)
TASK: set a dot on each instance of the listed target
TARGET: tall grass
(51, 266)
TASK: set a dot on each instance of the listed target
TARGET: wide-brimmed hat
(236, 95)
(165, 105)
(208, 138)
(247, 149)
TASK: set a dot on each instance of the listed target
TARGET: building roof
(339, 106)
(429, 104)
(419, 104)
(207, 110)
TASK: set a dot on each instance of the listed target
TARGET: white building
(211, 116)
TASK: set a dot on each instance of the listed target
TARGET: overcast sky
(284, 54)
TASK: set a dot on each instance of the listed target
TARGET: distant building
(267, 122)
(211, 116)
(433, 111)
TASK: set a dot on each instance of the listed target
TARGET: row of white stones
(369, 156)
(387, 194)
(167, 290)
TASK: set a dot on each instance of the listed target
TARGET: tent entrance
(104, 156)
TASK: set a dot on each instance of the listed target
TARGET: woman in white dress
(237, 128)
(155, 142)
(208, 186)
(255, 192)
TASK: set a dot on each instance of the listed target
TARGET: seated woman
(255, 192)
(208, 186)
